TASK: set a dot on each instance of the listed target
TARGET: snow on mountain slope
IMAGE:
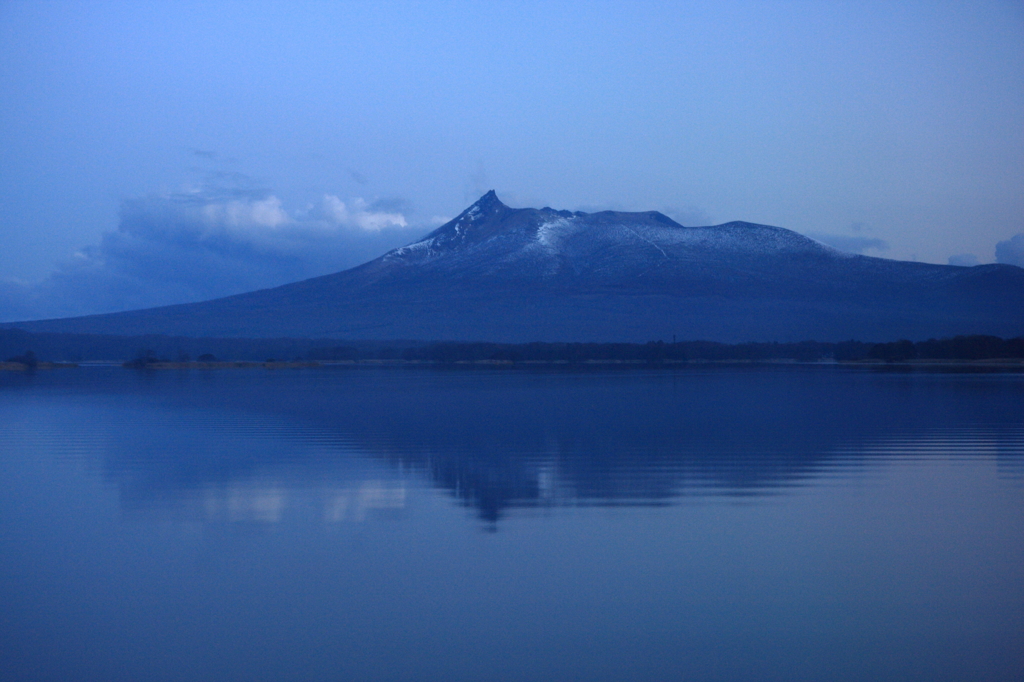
(546, 232)
(492, 239)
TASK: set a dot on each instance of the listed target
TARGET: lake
(412, 523)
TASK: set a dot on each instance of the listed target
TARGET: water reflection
(798, 524)
(246, 502)
(245, 444)
(266, 502)
(371, 495)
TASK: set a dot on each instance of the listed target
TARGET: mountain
(502, 274)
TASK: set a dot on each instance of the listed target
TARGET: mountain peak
(484, 206)
(489, 199)
(474, 224)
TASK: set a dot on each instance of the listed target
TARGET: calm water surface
(789, 523)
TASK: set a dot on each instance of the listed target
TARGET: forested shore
(31, 349)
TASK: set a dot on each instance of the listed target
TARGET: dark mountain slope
(503, 274)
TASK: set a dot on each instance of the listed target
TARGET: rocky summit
(503, 274)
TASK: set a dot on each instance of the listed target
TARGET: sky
(165, 152)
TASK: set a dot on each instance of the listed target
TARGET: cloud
(1011, 251)
(208, 243)
(359, 214)
(849, 243)
(246, 214)
(967, 260)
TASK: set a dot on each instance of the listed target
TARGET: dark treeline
(956, 348)
(79, 347)
(652, 352)
(16, 344)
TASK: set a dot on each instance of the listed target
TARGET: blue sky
(218, 139)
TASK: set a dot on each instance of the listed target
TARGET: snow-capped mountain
(549, 246)
(503, 274)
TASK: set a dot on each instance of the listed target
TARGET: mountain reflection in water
(720, 523)
(238, 445)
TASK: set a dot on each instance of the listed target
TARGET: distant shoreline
(22, 350)
(229, 364)
(1009, 363)
(23, 367)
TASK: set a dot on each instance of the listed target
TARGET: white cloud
(206, 244)
(359, 215)
(267, 213)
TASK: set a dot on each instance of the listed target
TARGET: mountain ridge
(523, 274)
